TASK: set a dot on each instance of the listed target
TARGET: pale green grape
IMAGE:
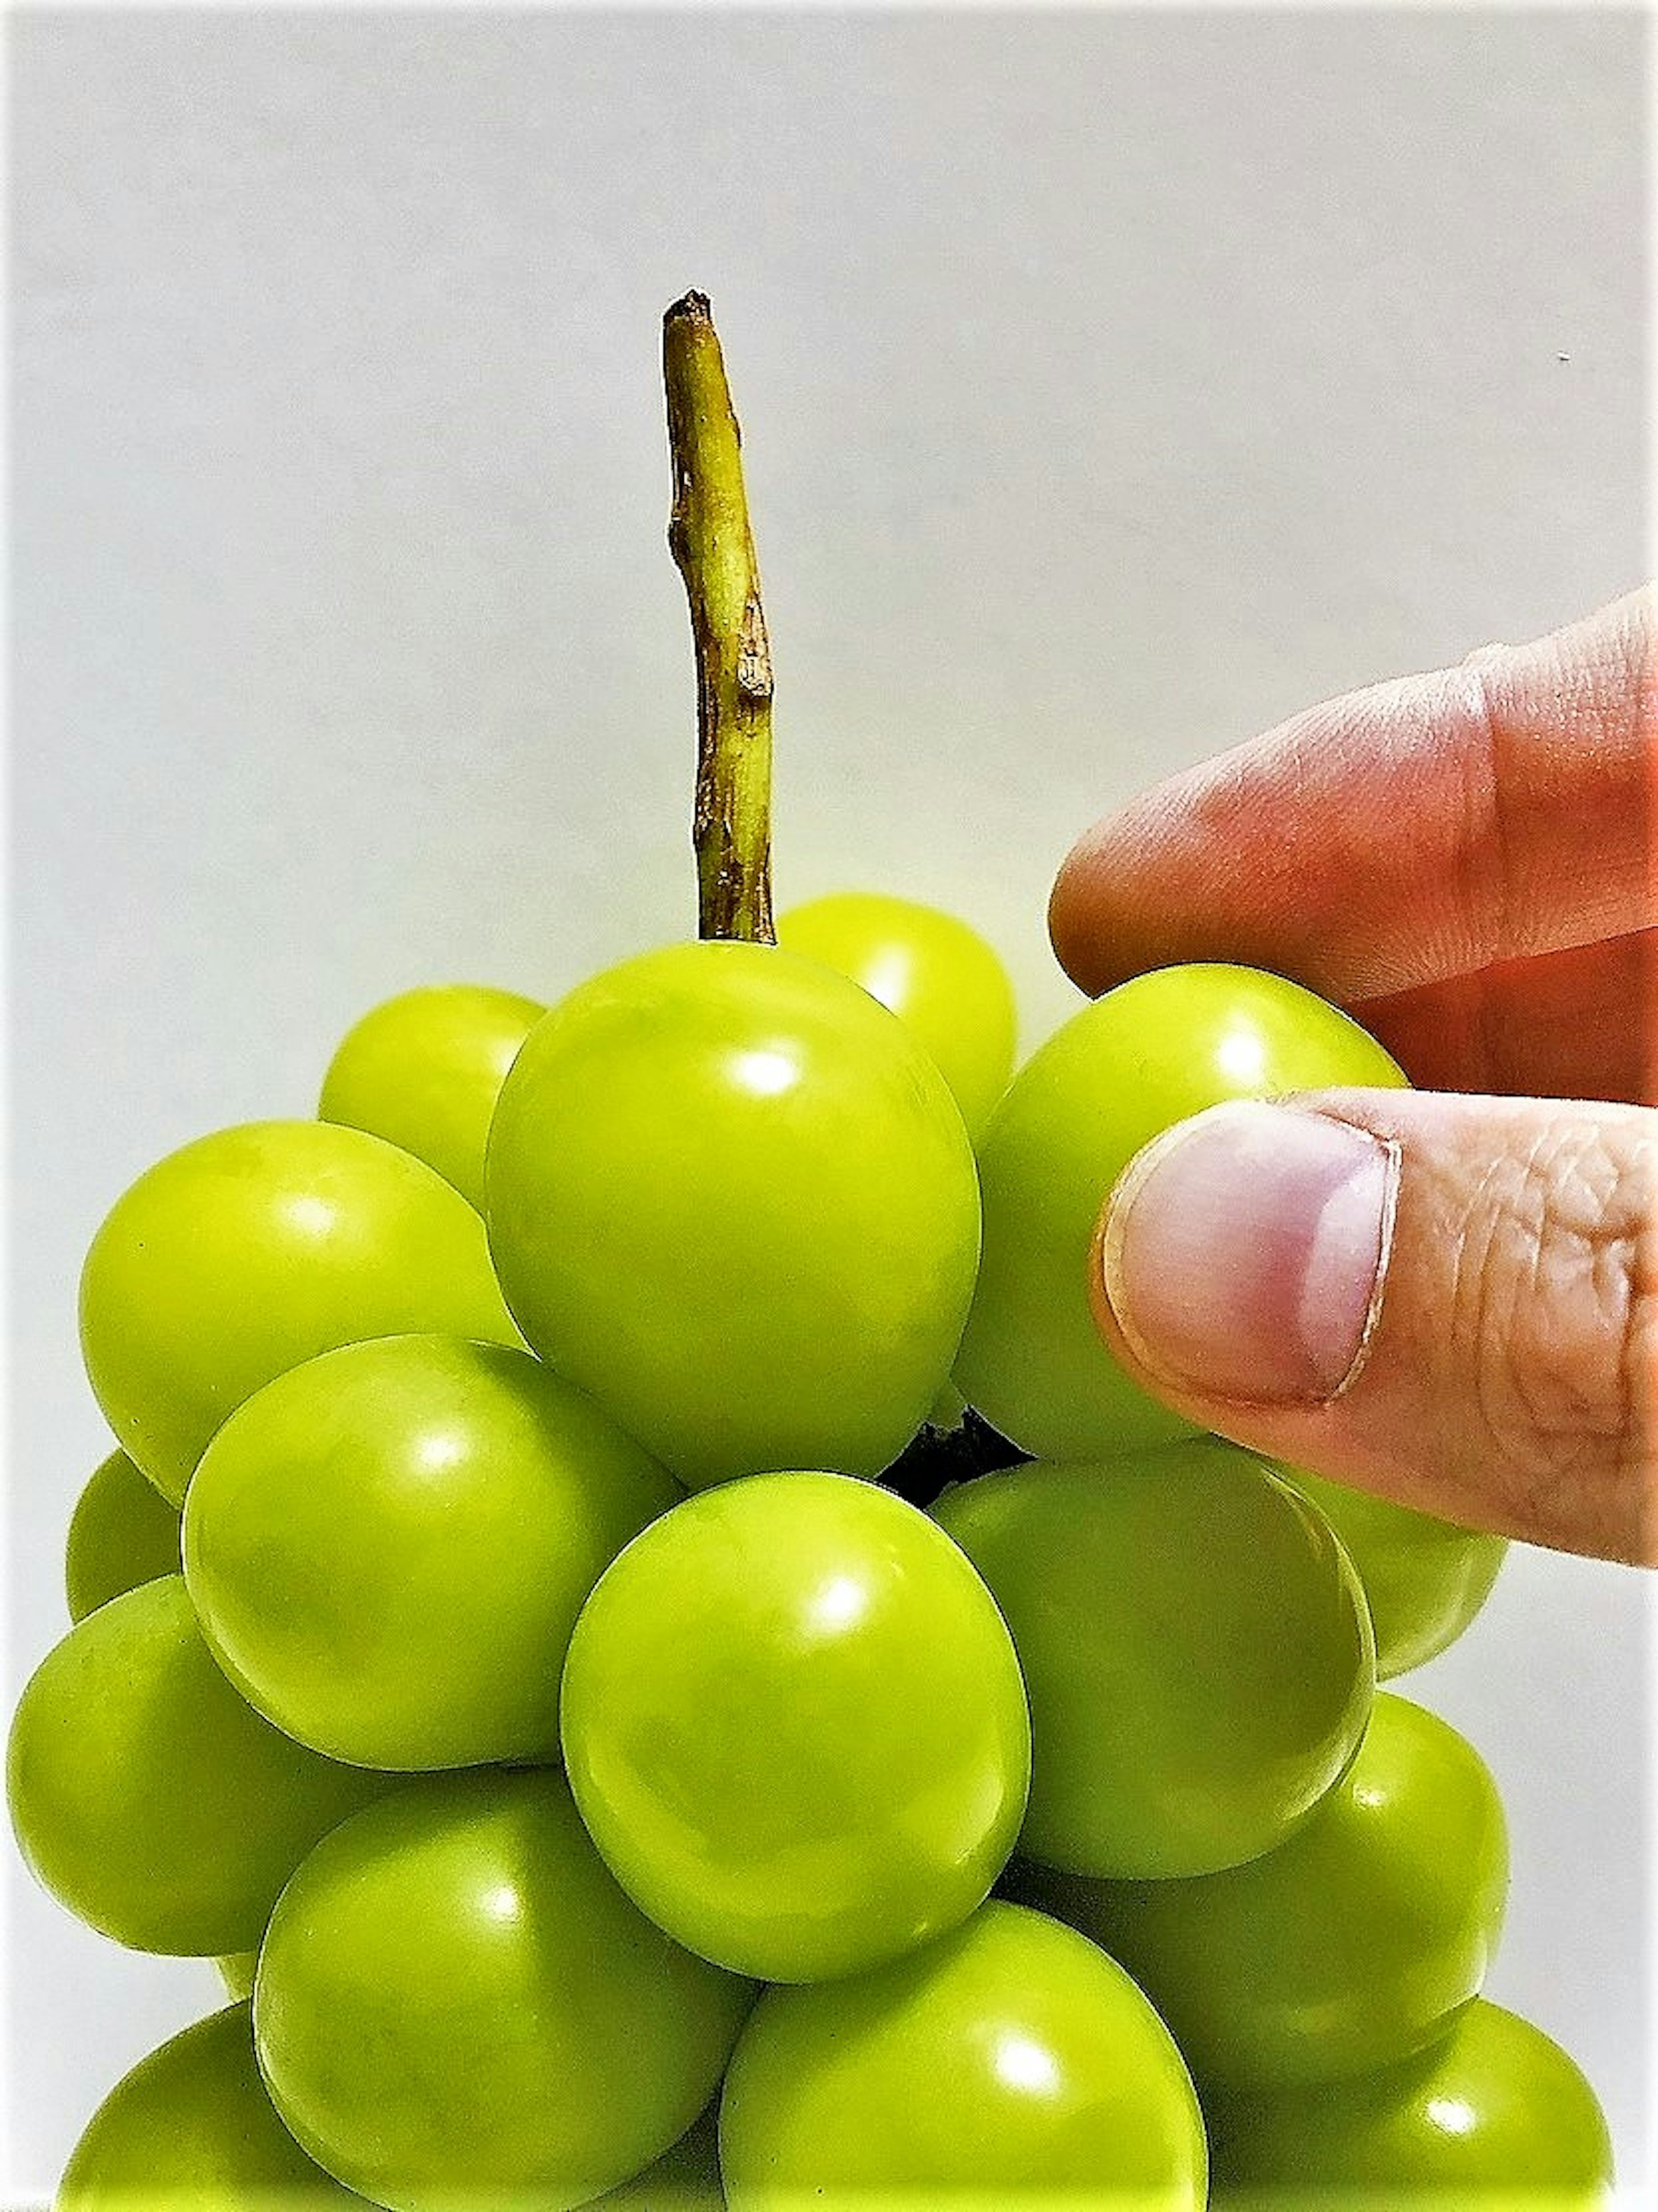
(1351, 1945)
(1426, 1578)
(457, 2009)
(388, 1545)
(234, 1259)
(424, 1071)
(1493, 2117)
(190, 2129)
(940, 978)
(122, 1532)
(1195, 1645)
(731, 1197)
(1116, 1075)
(795, 1727)
(1008, 2067)
(148, 1797)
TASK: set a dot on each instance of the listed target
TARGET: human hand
(1449, 1299)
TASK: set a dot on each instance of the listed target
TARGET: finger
(1423, 829)
(1449, 1301)
(1578, 1024)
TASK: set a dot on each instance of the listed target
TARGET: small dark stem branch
(709, 537)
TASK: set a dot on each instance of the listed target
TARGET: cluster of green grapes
(523, 1637)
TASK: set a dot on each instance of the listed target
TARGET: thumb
(1447, 1300)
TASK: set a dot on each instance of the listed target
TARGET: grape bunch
(633, 1615)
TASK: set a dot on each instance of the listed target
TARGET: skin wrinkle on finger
(1587, 1264)
(1595, 681)
(1537, 712)
(1640, 1377)
(1540, 1311)
(1486, 848)
(1548, 1430)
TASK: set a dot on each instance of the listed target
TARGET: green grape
(234, 1259)
(685, 2179)
(1426, 1578)
(122, 1532)
(1009, 2067)
(940, 978)
(388, 1545)
(148, 1797)
(731, 1197)
(1351, 1947)
(795, 1727)
(236, 1970)
(1195, 1645)
(190, 2129)
(1158, 1049)
(424, 1071)
(1494, 2118)
(457, 2009)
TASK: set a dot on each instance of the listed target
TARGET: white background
(1114, 385)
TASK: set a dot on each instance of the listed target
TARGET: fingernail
(1244, 1251)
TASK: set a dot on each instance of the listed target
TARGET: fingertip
(1107, 909)
(1435, 1298)
(1068, 930)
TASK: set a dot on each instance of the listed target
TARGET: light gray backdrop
(1114, 385)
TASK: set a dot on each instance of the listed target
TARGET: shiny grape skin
(1349, 1948)
(937, 974)
(795, 1723)
(190, 2129)
(238, 1256)
(1494, 2114)
(122, 1532)
(1195, 1644)
(455, 1998)
(388, 1545)
(148, 1797)
(732, 1199)
(1114, 1076)
(1426, 1580)
(1008, 2067)
(424, 1069)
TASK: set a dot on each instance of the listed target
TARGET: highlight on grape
(631, 1613)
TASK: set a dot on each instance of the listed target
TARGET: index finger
(1420, 830)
